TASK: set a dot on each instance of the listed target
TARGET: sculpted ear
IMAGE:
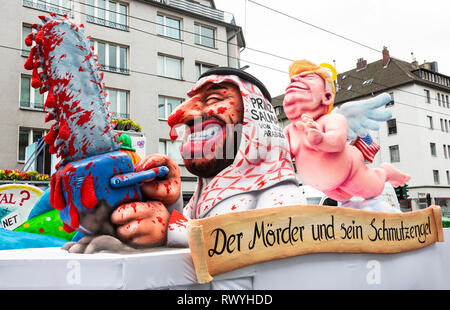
(328, 98)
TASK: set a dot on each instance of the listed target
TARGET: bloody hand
(166, 190)
(142, 223)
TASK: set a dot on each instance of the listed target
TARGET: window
(60, 7)
(28, 136)
(204, 35)
(30, 97)
(392, 126)
(26, 30)
(442, 124)
(171, 149)
(118, 103)
(367, 82)
(111, 57)
(427, 96)
(390, 103)
(394, 153)
(433, 149)
(166, 105)
(107, 13)
(448, 177)
(430, 121)
(436, 176)
(446, 125)
(439, 99)
(448, 102)
(445, 151)
(201, 68)
(169, 67)
(168, 26)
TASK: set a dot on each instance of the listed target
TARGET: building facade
(151, 53)
(416, 139)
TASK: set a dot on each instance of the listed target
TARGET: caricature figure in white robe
(261, 175)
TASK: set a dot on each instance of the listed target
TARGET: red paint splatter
(41, 230)
(88, 198)
(221, 110)
(176, 218)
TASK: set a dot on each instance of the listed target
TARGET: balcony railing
(48, 7)
(116, 115)
(114, 69)
(107, 23)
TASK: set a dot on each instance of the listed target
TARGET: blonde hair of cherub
(306, 67)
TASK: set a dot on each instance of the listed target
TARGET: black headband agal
(240, 73)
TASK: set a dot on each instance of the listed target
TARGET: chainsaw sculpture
(92, 169)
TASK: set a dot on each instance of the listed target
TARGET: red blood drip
(35, 80)
(50, 137)
(88, 198)
(39, 37)
(67, 228)
(52, 149)
(29, 64)
(64, 130)
(51, 100)
(29, 39)
(58, 199)
(173, 134)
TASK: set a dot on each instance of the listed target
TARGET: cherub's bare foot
(394, 176)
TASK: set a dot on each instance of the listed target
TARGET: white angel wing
(362, 115)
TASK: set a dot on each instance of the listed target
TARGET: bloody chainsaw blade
(91, 168)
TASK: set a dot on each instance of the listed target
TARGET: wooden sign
(230, 241)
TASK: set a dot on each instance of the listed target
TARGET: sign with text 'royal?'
(16, 202)
(230, 241)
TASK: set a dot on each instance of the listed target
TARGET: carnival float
(113, 219)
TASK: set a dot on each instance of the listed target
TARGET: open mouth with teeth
(203, 138)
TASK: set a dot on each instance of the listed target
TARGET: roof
(376, 78)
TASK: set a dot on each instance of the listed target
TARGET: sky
(403, 26)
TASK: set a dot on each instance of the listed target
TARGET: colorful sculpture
(234, 144)
(91, 169)
(318, 138)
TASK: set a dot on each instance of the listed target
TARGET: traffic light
(399, 193)
(404, 191)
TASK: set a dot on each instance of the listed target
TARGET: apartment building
(416, 139)
(151, 53)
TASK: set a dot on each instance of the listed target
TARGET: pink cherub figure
(318, 140)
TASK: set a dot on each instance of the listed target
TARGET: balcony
(107, 23)
(114, 69)
(117, 115)
(200, 10)
(48, 7)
